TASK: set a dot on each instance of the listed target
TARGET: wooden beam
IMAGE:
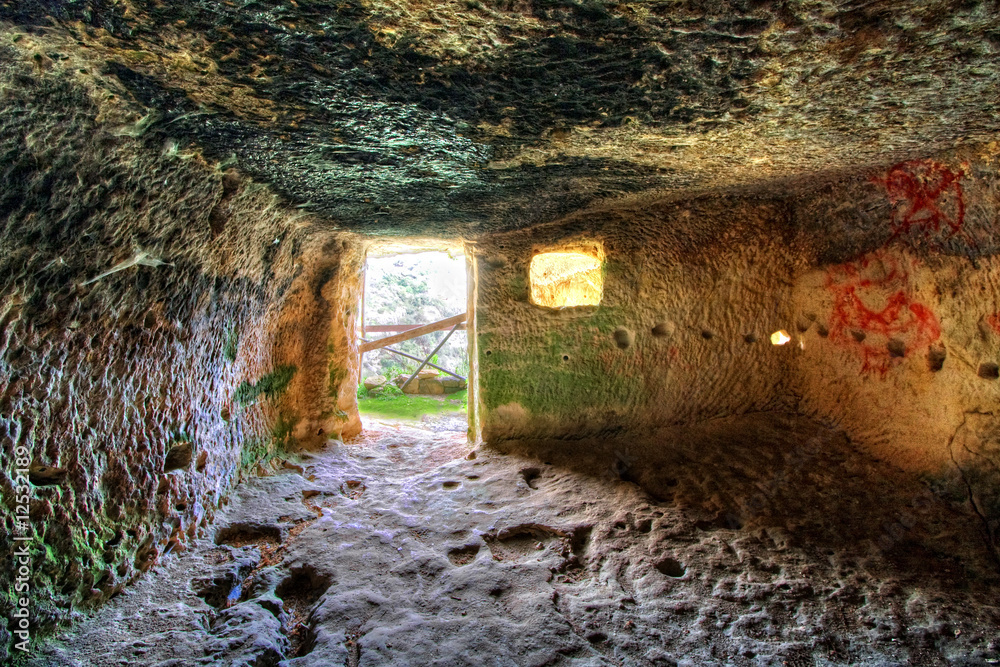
(393, 328)
(410, 356)
(413, 333)
(429, 357)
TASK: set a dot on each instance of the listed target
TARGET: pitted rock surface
(409, 548)
(431, 116)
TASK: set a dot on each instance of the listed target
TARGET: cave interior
(733, 332)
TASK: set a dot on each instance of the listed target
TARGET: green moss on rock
(230, 345)
(337, 375)
(558, 373)
(270, 386)
(254, 451)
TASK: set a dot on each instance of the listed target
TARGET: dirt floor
(763, 540)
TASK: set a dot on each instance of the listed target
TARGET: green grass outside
(412, 406)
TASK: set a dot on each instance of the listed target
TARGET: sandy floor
(765, 540)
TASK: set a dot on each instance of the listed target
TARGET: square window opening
(566, 278)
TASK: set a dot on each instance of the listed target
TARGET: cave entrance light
(414, 348)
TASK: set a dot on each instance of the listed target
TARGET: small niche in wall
(566, 278)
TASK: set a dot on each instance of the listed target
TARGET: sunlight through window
(565, 279)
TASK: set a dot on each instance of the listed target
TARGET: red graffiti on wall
(874, 313)
(927, 196)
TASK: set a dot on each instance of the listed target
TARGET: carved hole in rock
(671, 567)
(223, 590)
(566, 279)
(530, 475)
(41, 475)
(247, 534)
(663, 329)
(178, 457)
(579, 541)
(298, 593)
(353, 488)
(302, 587)
(936, 355)
(989, 370)
(623, 338)
(463, 555)
(724, 520)
(522, 542)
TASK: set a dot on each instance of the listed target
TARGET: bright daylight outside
(403, 292)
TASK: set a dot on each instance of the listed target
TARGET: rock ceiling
(457, 117)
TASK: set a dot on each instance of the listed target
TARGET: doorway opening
(415, 339)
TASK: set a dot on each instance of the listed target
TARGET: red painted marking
(872, 296)
(927, 196)
(994, 321)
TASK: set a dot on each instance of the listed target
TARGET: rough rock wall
(691, 293)
(316, 334)
(899, 319)
(138, 397)
(888, 282)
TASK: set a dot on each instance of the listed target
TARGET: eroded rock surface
(760, 540)
(459, 117)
